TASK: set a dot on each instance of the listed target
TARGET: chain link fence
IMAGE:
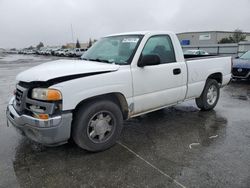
(232, 49)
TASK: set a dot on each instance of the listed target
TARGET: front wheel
(210, 95)
(97, 125)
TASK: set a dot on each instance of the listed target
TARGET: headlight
(46, 94)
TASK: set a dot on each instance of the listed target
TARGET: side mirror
(237, 57)
(149, 60)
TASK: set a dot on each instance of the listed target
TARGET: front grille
(240, 72)
(25, 105)
(19, 96)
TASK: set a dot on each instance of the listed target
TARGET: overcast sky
(27, 22)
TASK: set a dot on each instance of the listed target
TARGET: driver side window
(161, 46)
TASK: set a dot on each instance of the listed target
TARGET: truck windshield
(115, 49)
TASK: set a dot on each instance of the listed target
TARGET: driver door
(160, 85)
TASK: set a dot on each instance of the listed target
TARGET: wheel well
(216, 76)
(118, 98)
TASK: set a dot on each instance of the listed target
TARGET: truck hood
(241, 63)
(63, 68)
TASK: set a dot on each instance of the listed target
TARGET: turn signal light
(53, 95)
(43, 116)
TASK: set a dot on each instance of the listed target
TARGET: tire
(93, 131)
(208, 99)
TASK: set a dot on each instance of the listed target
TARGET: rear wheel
(210, 95)
(97, 125)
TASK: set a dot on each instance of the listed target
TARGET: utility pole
(72, 35)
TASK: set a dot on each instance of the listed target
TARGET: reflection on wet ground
(176, 145)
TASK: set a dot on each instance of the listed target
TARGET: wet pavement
(175, 147)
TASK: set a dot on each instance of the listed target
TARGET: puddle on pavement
(240, 97)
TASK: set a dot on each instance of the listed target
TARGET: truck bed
(199, 68)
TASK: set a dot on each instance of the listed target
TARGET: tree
(238, 36)
(225, 41)
(78, 44)
(40, 45)
(235, 38)
(30, 48)
(90, 43)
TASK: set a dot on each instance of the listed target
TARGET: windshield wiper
(100, 60)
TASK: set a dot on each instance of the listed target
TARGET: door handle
(177, 71)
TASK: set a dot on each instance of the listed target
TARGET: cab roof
(142, 33)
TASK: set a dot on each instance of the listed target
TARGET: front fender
(77, 90)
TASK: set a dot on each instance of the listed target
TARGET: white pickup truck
(121, 76)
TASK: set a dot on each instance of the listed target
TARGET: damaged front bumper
(53, 131)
